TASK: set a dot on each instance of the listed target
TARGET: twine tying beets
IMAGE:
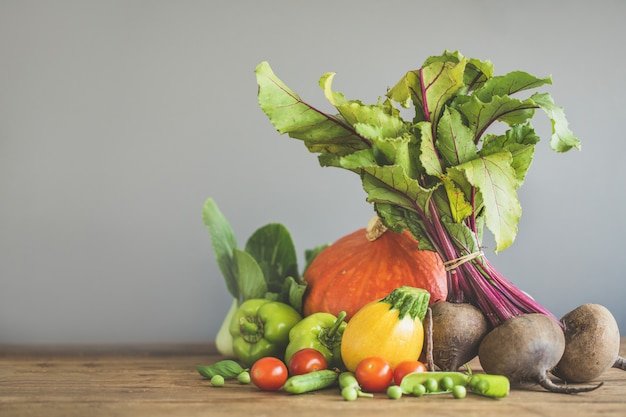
(455, 263)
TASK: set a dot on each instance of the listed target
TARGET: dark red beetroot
(592, 343)
(524, 349)
(457, 330)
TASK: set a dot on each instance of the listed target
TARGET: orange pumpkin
(359, 268)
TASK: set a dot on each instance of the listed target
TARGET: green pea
(481, 387)
(394, 392)
(431, 385)
(459, 391)
(217, 381)
(349, 393)
(244, 377)
(419, 390)
(446, 383)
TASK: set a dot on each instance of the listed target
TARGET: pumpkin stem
(409, 300)
(375, 229)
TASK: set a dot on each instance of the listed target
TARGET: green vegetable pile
(266, 269)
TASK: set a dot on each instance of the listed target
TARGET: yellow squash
(390, 328)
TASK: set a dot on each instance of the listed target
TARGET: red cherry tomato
(405, 368)
(269, 373)
(374, 374)
(306, 360)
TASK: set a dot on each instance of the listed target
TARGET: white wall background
(119, 118)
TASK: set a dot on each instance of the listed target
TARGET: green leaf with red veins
(320, 132)
(459, 207)
(511, 83)
(562, 139)
(455, 141)
(390, 184)
(480, 115)
(439, 82)
(520, 140)
(495, 179)
(429, 157)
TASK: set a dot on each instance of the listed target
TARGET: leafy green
(266, 268)
(272, 248)
(443, 175)
(226, 368)
(224, 244)
(402, 163)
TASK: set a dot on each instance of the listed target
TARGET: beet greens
(441, 175)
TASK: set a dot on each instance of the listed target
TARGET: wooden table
(161, 380)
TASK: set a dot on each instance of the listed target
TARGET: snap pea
(350, 388)
(423, 378)
(348, 379)
(495, 386)
(434, 382)
(312, 381)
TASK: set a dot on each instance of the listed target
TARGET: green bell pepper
(261, 328)
(320, 331)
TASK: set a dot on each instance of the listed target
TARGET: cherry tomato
(374, 374)
(269, 373)
(405, 368)
(307, 360)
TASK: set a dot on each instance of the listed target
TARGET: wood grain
(161, 380)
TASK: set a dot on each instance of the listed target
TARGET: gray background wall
(119, 118)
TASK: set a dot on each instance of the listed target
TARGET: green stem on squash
(408, 300)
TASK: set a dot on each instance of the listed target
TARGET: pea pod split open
(494, 386)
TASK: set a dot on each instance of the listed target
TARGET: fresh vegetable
(495, 386)
(442, 175)
(418, 384)
(319, 331)
(269, 373)
(524, 349)
(266, 268)
(418, 390)
(394, 392)
(244, 378)
(350, 388)
(305, 361)
(374, 374)
(407, 367)
(366, 265)
(457, 330)
(459, 391)
(432, 378)
(260, 328)
(311, 381)
(390, 328)
(592, 343)
(217, 381)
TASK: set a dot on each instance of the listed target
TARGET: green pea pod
(260, 328)
(495, 386)
(322, 332)
(312, 381)
(410, 380)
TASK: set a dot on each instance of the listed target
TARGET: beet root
(524, 349)
(457, 330)
(592, 343)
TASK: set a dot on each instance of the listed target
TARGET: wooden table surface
(161, 380)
